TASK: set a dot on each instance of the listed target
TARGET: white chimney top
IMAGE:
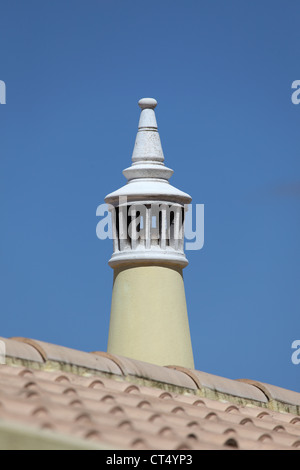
(148, 212)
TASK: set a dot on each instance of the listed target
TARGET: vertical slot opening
(117, 225)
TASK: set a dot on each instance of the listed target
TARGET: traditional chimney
(149, 318)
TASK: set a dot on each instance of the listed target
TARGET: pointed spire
(147, 144)
(147, 177)
(147, 157)
(147, 118)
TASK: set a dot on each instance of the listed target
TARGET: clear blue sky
(222, 75)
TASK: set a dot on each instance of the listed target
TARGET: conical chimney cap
(148, 176)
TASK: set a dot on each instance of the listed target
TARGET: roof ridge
(41, 355)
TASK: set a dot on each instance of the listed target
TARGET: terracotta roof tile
(224, 385)
(126, 404)
(275, 393)
(23, 351)
(52, 352)
(152, 372)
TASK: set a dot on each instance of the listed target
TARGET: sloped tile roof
(119, 403)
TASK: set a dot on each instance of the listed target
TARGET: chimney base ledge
(140, 258)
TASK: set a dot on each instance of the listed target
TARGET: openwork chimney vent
(148, 212)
